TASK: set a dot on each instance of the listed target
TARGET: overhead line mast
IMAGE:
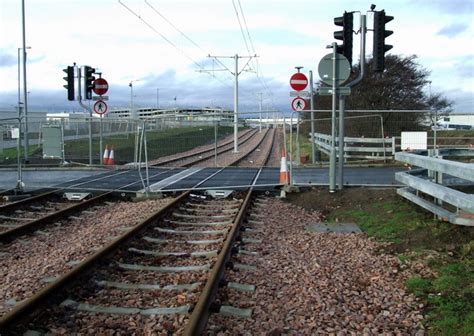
(236, 74)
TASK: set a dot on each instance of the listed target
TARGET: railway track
(166, 269)
(191, 157)
(259, 155)
(175, 257)
(251, 154)
(21, 217)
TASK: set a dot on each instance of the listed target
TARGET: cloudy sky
(162, 45)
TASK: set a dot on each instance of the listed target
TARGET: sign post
(100, 107)
(334, 69)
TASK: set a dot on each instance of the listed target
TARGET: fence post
(137, 131)
(63, 153)
(19, 183)
(215, 143)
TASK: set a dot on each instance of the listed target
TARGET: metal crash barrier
(433, 181)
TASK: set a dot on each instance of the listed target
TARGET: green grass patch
(450, 299)
(418, 286)
(391, 221)
(159, 142)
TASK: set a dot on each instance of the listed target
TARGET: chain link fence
(375, 136)
(81, 140)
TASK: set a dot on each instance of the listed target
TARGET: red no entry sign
(100, 86)
(298, 81)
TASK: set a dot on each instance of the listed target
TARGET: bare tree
(402, 86)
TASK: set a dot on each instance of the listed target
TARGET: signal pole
(236, 74)
(87, 108)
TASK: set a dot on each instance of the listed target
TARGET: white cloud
(285, 33)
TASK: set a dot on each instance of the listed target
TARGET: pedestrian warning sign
(298, 104)
(100, 107)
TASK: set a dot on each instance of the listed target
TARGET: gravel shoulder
(317, 283)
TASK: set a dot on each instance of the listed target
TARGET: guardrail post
(439, 180)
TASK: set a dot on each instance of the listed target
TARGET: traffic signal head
(70, 82)
(88, 81)
(380, 48)
(347, 22)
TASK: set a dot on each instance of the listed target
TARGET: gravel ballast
(315, 283)
(28, 264)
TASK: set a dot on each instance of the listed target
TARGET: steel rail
(199, 316)
(40, 222)
(24, 309)
(185, 156)
(198, 319)
(237, 161)
(26, 201)
(223, 150)
(271, 148)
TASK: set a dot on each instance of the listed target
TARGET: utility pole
(236, 74)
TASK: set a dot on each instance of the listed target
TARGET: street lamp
(132, 110)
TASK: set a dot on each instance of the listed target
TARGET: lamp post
(132, 108)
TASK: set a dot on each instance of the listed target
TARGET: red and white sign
(100, 107)
(298, 81)
(100, 86)
(298, 104)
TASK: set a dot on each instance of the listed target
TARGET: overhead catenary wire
(174, 45)
(172, 25)
(247, 30)
(258, 72)
(160, 34)
(241, 28)
(170, 42)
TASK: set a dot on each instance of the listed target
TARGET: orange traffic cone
(105, 158)
(111, 161)
(284, 174)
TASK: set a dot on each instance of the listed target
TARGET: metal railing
(359, 148)
(430, 182)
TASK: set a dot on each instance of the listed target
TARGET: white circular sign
(100, 107)
(343, 69)
(298, 104)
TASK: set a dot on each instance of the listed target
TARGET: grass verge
(414, 235)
